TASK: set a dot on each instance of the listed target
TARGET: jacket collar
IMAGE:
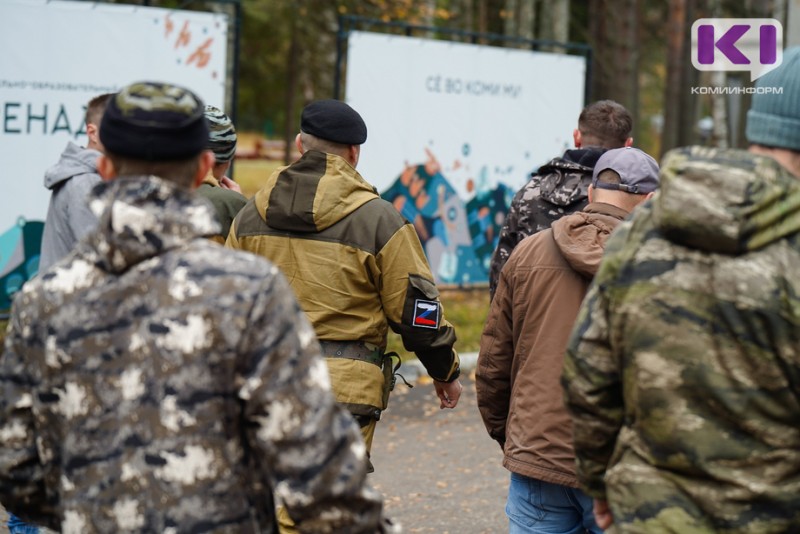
(141, 217)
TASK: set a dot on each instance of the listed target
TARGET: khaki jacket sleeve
(411, 302)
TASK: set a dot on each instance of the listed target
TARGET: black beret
(154, 122)
(333, 120)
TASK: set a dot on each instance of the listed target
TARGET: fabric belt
(353, 350)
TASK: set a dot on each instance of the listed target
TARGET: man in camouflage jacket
(683, 371)
(560, 186)
(155, 382)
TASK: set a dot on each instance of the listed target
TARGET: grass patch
(252, 174)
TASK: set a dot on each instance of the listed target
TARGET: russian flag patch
(426, 314)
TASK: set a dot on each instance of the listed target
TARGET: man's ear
(629, 142)
(355, 153)
(105, 168)
(590, 192)
(576, 137)
(92, 132)
(207, 161)
(299, 144)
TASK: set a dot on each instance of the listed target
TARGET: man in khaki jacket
(356, 266)
(519, 366)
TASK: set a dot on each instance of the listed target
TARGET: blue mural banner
(19, 258)
(458, 237)
(454, 129)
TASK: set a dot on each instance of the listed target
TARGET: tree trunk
(676, 29)
(560, 20)
(719, 112)
(462, 16)
(510, 17)
(291, 90)
(599, 43)
(483, 18)
(527, 19)
(688, 108)
(554, 20)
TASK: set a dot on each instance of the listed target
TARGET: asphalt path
(438, 470)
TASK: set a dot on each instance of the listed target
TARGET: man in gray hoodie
(70, 180)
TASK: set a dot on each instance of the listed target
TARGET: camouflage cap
(637, 171)
(222, 134)
(155, 122)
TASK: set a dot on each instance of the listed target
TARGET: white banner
(454, 129)
(57, 55)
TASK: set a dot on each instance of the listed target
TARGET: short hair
(622, 199)
(312, 142)
(606, 123)
(609, 176)
(96, 107)
(180, 172)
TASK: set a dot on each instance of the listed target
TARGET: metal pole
(337, 75)
(237, 32)
(587, 89)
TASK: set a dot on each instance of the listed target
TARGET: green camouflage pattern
(137, 98)
(153, 381)
(682, 374)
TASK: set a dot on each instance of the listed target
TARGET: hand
(448, 393)
(602, 514)
(227, 183)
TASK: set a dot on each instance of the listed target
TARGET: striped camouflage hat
(222, 134)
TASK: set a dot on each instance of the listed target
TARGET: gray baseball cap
(637, 171)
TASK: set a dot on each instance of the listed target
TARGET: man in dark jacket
(153, 381)
(70, 181)
(522, 348)
(221, 191)
(560, 187)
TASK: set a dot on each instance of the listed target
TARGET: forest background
(640, 54)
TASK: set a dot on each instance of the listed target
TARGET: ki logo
(754, 45)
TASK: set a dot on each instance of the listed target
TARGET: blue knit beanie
(774, 119)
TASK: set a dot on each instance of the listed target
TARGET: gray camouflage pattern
(683, 370)
(561, 187)
(153, 381)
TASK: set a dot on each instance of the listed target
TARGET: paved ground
(438, 470)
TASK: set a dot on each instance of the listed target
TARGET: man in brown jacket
(522, 347)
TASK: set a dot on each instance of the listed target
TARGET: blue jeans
(17, 526)
(535, 506)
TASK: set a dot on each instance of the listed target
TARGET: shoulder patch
(426, 314)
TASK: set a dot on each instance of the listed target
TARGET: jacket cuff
(455, 369)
